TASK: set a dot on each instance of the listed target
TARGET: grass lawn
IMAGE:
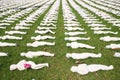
(59, 65)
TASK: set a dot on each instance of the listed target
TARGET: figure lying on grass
(31, 54)
(83, 69)
(23, 64)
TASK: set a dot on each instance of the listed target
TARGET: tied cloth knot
(27, 66)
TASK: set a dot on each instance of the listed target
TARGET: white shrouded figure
(10, 37)
(105, 32)
(39, 37)
(74, 33)
(76, 38)
(23, 64)
(83, 69)
(108, 38)
(75, 45)
(44, 31)
(32, 54)
(83, 55)
(73, 28)
(2, 27)
(117, 54)
(40, 28)
(3, 54)
(40, 43)
(20, 28)
(100, 28)
(15, 32)
(113, 46)
(3, 44)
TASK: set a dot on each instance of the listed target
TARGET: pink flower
(27, 66)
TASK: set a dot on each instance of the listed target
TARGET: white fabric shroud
(39, 37)
(15, 32)
(40, 43)
(76, 38)
(31, 54)
(113, 46)
(108, 38)
(83, 69)
(4, 44)
(10, 37)
(74, 33)
(20, 65)
(44, 31)
(105, 32)
(20, 28)
(73, 28)
(117, 54)
(75, 45)
(3, 54)
(100, 28)
(83, 55)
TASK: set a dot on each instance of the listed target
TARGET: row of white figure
(31, 54)
(102, 14)
(47, 26)
(109, 4)
(97, 30)
(7, 5)
(67, 13)
(69, 20)
(82, 69)
(115, 10)
(24, 24)
(23, 64)
(42, 30)
(97, 26)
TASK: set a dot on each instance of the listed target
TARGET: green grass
(59, 65)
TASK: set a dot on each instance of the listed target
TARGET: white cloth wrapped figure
(83, 69)
(83, 55)
(3, 54)
(32, 54)
(40, 43)
(76, 45)
(23, 64)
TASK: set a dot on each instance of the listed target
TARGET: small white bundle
(39, 37)
(3, 44)
(15, 32)
(98, 25)
(2, 27)
(10, 37)
(3, 54)
(73, 28)
(76, 38)
(108, 38)
(40, 43)
(113, 46)
(83, 69)
(70, 25)
(83, 55)
(100, 28)
(105, 32)
(74, 33)
(44, 31)
(20, 28)
(75, 45)
(31, 54)
(4, 24)
(23, 64)
(40, 28)
(117, 54)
